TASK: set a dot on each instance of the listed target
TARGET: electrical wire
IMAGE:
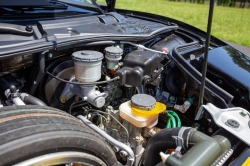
(81, 83)
(115, 120)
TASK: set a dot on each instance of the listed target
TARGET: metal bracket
(221, 116)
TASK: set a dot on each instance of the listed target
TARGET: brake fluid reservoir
(113, 55)
(142, 110)
(87, 65)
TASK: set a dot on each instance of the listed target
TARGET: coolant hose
(177, 118)
(201, 149)
(160, 142)
(29, 99)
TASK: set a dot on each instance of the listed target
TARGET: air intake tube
(200, 148)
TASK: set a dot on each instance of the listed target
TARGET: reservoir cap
(87, 56)
(113, 52)
(143, 101)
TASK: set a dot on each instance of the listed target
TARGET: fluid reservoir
(142, 110)
(113, 55)
(87, 65)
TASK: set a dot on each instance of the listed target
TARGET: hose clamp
(179, 140)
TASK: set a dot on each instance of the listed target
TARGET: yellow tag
(247, 162)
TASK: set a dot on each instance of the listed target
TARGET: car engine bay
(141, 96)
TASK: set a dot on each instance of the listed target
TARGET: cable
(115, 120)
(81, 83)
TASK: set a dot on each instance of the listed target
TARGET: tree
(239, 58)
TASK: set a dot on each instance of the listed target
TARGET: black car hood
(231, 62)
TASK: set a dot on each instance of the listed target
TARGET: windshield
(55, 10)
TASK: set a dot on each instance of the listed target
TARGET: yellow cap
(159, 108)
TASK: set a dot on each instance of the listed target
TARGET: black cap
(13, 89)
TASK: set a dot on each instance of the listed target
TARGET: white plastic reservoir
(137, 119)
(87, 65)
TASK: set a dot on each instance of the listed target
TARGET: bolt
(101, 126)
(50, 55)
(219, 81)
(137, 138)
(210, 130)
(232, 123)
(28, 28)
(172, 99)
(123, 153)
(116, 149)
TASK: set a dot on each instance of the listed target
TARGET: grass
(232, 24)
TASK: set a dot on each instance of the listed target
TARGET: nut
(123, 153)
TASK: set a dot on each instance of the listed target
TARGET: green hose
(177, 117)
(171, 121)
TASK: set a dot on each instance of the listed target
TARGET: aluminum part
(131, 156)
(221, 116)
(86, 92)
(17, 101)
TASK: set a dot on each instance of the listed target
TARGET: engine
(138, 98)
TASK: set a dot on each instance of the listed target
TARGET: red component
(165, 49)
(171, 150)
(113, 71)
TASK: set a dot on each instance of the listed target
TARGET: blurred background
(231, 19)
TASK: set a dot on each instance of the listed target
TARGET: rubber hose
(169, 122)
(173, 122)
(28, 99)
(177, 118)
(160, 142)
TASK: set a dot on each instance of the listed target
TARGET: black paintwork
(53, 34)
(229, 60)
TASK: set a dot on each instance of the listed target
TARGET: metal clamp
(179, 140)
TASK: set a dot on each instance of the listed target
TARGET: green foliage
(232, 24)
